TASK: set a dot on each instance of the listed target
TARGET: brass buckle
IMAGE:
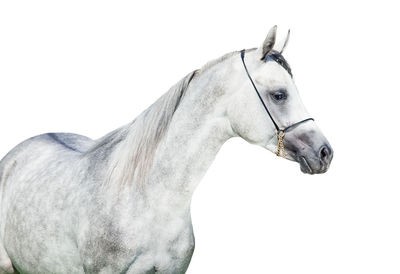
(280, 151)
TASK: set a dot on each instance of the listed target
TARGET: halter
(280, 132)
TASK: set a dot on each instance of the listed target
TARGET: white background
(89, 67)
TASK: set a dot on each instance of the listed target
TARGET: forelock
(275, 56)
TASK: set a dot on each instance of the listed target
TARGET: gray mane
(131, 149)
(217, 61)
(221, 59)
(133, 146)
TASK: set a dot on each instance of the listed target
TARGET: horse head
(266, 108)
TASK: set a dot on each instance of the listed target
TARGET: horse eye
(279, 96)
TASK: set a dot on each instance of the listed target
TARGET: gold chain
(281, 148)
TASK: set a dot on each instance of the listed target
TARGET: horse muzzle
(311, 151)
(316, 164)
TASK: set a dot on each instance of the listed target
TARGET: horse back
(39, 154)
(41, 150)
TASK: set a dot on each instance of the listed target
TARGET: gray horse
(121, 204)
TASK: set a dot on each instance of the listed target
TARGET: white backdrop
(86, 67)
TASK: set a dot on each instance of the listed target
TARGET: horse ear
(282, 45)
(268, 44)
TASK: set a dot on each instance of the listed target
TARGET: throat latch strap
(280, 132)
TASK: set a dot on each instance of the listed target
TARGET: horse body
(66, 209)
(121, 204)
(62, 223)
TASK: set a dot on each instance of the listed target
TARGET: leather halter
(280, 132)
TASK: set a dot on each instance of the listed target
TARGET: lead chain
(280, 149)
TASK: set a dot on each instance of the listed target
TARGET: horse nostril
(325, 153)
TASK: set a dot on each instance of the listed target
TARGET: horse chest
(171, 247)
(158, 244)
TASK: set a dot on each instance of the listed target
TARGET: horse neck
(179, 159)
(197, 131)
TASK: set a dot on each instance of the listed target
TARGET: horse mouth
(307, 168)
(304, 166)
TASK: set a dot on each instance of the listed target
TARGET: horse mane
(130, 149)
(213, 62)
(128, 152)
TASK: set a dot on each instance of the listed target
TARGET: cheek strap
(280, 133)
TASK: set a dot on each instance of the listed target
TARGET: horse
(121, 204)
